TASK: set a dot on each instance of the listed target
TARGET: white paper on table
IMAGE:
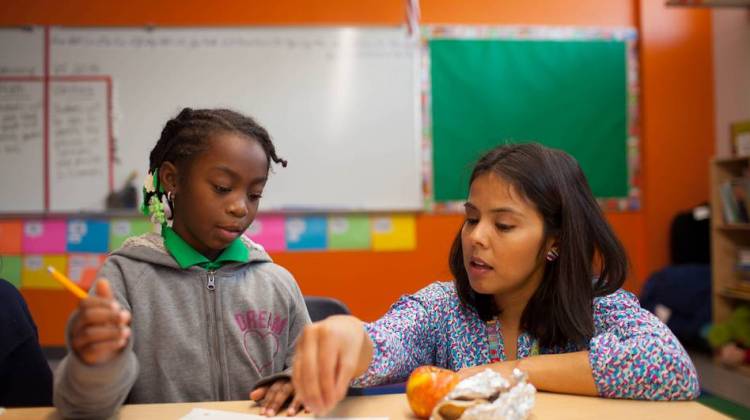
(206, 414)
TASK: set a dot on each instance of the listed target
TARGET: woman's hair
(189, 132)
(561, 309)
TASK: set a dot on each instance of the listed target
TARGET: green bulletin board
(567, 94)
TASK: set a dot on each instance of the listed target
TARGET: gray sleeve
(97, 391)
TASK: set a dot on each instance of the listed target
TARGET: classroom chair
(321, 307)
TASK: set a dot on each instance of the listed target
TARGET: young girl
(537, 286)
(198, 313)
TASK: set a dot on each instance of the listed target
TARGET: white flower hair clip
(148, 183)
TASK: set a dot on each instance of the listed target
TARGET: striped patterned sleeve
(405, 337)
(635, 356)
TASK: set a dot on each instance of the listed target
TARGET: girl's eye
(503, 227)
(221, 189)
(254, 196)
(471, 221)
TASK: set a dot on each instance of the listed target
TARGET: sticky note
(82, 268)
(10, 269)
(394, 233)
(11, 233)
(122, 229)
(34, 274)
(88, 236)
(306, 233)
(269, 232)
(349, 232)
(44, 237)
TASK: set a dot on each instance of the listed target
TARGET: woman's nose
(478, 235)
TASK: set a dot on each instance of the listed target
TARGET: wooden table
(394, 406)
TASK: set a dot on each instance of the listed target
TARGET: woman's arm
(332, 352)
(567, 373)
(634, 355)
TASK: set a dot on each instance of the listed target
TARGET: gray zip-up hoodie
(197, 335)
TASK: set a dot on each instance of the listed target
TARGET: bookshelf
(730, 287)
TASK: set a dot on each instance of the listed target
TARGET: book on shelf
(743, 256)
(743, 267)
(735, 200)
(739, 287)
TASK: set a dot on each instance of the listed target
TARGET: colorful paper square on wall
(88, 236)
(306, 233)
(10, 269)
(269, 232)
(349, 232)
(11, 233)
(34, 274)
(44, 237)
(82, 268)
(394, 233)
(122, 229)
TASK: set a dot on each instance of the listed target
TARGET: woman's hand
(329, 354)
(272, 398)
(100, 330)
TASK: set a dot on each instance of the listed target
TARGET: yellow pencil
(67, 283)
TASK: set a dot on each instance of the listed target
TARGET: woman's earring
(552, 254)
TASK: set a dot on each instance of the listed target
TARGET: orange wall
(678, 117)
(677, 123)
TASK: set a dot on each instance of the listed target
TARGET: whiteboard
(79, 159)
(21, 118)
(341, 104)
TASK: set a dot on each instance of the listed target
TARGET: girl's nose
(238, 207)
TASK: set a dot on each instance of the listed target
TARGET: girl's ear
(168, 176)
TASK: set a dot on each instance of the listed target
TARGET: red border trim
(45, 112)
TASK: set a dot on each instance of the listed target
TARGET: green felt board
(570, 95)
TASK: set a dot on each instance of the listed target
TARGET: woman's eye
(503, 227)
(471, 221)
(221, 189)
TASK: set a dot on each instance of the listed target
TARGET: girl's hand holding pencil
(101, 329)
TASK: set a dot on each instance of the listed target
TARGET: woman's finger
(309, 371)
(328, 351)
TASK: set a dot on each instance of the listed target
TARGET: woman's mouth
(478, 267)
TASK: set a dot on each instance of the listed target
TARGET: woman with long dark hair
(538, 272)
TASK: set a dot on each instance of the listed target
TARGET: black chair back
(320, 307)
